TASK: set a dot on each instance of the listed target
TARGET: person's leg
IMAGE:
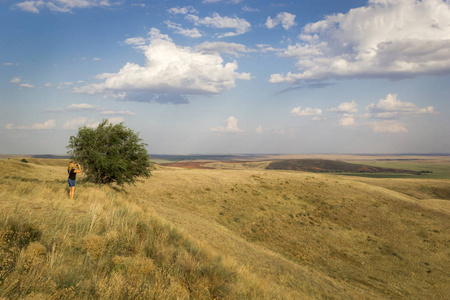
(72, 192)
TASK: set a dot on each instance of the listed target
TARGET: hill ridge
(325, 165)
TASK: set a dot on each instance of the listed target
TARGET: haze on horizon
(228, 76)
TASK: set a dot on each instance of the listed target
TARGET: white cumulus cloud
(193, 33)
(75, 123)
(60, 5)
(49, 124)
(231, 126)
(226, 1)
(392, 108)
(347, 120)
(297, 111)
(117, 112)
(286, 20)
(240, 26)
(170, 70)
(182, 10)
(83, 121)
(346, 107)
(18, 81)
(222, 47)
(26, 85)
(386, 39)
(390, 126)
(74, 107)
(259, 129)
(15, 80)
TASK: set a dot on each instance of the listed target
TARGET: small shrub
(7, 263)
(36, 254)
(13, 237)
(20, 235)
(93, 245)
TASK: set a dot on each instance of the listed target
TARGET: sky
(228, 76)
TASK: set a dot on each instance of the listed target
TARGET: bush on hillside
(110, 153)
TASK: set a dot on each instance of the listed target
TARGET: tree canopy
(110, 153)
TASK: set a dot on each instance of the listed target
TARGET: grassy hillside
(231, 234)
(324, 165)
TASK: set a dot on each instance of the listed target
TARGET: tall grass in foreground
(103, 248)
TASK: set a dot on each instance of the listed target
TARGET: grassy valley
(243, 233)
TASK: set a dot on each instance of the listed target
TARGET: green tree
(110, 153)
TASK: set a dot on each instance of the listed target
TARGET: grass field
(226, 234)
(438, 165)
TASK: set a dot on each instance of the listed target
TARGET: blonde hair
(71, 166)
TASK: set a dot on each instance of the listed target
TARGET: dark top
(72, 174)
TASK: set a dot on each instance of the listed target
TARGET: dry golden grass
(353, 236)
(102, 245)
(231, 234)
(236, 165)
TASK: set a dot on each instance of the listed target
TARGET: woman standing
(72, 170)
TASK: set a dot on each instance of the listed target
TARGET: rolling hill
(323, 165)
(223, 234)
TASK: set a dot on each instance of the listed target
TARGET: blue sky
(228, 76)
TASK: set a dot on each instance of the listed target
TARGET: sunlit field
(238, 233)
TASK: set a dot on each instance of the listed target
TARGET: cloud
(284, 18)
(83, 121)
(28, 6)
(65, 6)
(116, 120)
(346, 107)
(136, 41)
(142, 43)
(391, 108)
(26, 85)
(303, 51)
(82, 106)
(222, 47)
(75, 123)
(297, 111)
(162, 98)
(49, 124)
(15, 80)
(193, 33)
(169, 70)
(259, 129)
(240, 26)
(392, 39)
(347, 120)
(74, 107)
(226, 1)
(266, 48)
(182, 10)
(231, 127)
(117, 112)
(249, 9)
(388, 126)
(64, 85)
